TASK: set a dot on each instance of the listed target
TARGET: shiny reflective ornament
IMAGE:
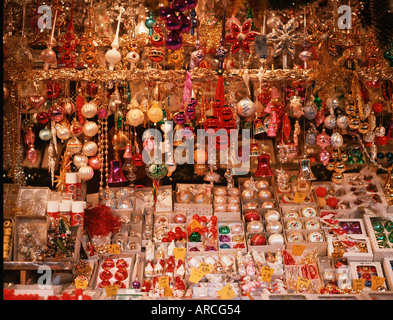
(89, 109)
(267, 205)
(56, 113)
(89, 148)
(156, 171)
(364, 128)
(94, 162)
(255, 227)
(272, 215)
(263, 184)
(274, 227)
(135, 117)
(369, 137)
(337, 177)
(74, 145)
(330, 121)
(63, 133)
(380, 131)
(342, 121)
(80, 160)
(354, 123)
(305, 170)
(248, 194)
(311, 138)
(233, 207)
(36, 101)
(251, 206)
(339, 167)
(220, 192)
(332, 102)
(336, 140)
(315, 237)
(155, 113)
(276, 238)
(120, 141)
(264, 194)
(245, 107)
(76, 128)
(85, 173)
(45, 134)
(116, 172)
(263, 166)
(310, 111)
(90, 128)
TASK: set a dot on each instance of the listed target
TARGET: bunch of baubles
(186, 196)
(327, 198)
(226, 200)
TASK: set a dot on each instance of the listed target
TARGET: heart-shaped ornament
(36, 101)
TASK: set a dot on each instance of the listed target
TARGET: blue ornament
(380, 155)
(310, 111)
(311, 138)
(225, 246)
(389, 155)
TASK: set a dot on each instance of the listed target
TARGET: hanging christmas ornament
(323, 139)
(155, 113)
(85, 173)
(90, 128)
(263, 168)
(48, 55)
(89, 148)
(241, 36)
(89, 109)
(310, 111)
(336, 140)
(113, 56)
(305, 172)
(74, 145)
(80, 160)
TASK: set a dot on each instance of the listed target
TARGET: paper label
(196, 275)
(163, 282)
(266, 274)
(114, 248)
(194, 224)
(205, 267)
(299, 197)
(297, 249)
(376, 282)
(226, 293)
(302, 283)
(168, 291)
(111, 290)
(81, 284)
(358, 284)
(179, 253)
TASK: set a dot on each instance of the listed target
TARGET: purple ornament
(173, 22)
(345, 226)
(185, 23)
(136, 284)
(190, 112)
(194, 249)
(225, 238)
(102, 113)
(355, 228)
(210, 248)
(179, 5)
(191, 4)
(173, 41)
(179, 118)
(165, 11)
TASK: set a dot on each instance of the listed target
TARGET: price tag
(81, 284)
(111, 290)
(302, 283)
(195, 224)
(114, 248)
(299, 197)
(358, 284)
(266, 274)
(163, 282)
(376, 282)
(196, 275)
(297, 249)
(226, 293)
(205, 267)
(179, 253)
(168, 291)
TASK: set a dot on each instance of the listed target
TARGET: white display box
(144, 198)
(379, 253)
(230, 224)
(363, 230)
(376, 266)
(129, 259)
(194, 208)
(388, 269)
(353, 254)
(321, 247)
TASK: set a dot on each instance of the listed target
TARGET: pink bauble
(180, 218)
(94, 162)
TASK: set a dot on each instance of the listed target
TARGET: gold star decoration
(65, 166)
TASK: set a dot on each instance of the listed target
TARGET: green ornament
(224, 230)
(377, 225)
(390, 237)
(360, 159)
(380, 237)
(156, 171)
(389, 226)
(149, 23)
(250, 16)
(383, 245)
(350, 160)
(118, 119)
(195, 237)
(388, 55)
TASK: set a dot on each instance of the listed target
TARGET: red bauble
(121, 274)
(104, 284)
(121, 263)
(105, 275)
(377, 107)
(258, 240)
(252, 215)
(332, 202)
(137, 159)
(108, 264)
(120, 284)
(382, 141)
(321, 192)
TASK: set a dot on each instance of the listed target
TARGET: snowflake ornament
(284, 36)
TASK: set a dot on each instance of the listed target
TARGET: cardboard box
(353, 253)
(388, 270)
(380, 252)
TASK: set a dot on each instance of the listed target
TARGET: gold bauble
(339, 167)
(354, 123)
(337, 177)
(200, 169)
(330, 165)
(349, 109)
(364, 128)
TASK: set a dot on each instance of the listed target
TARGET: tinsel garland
(100, 221)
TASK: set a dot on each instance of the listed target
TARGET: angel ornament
(284, 37)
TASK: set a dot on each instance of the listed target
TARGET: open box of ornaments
(334, 226)
(366, 187)
(202, 233)
(335, 274)
(208, 290)
(351, 247)
(249, 267)
(194, 199)
(33, 201)
(130, 235)
(264, 229)
(222, 266)
(119, 198)
(380, 232)
(231, 236)
(334, 200)
(114, 270)
(170, 226)
(258, 190)
(367, 270)
(144, 197)
(226, 203)
(10, 198)
(84, 271)
(287, 192)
